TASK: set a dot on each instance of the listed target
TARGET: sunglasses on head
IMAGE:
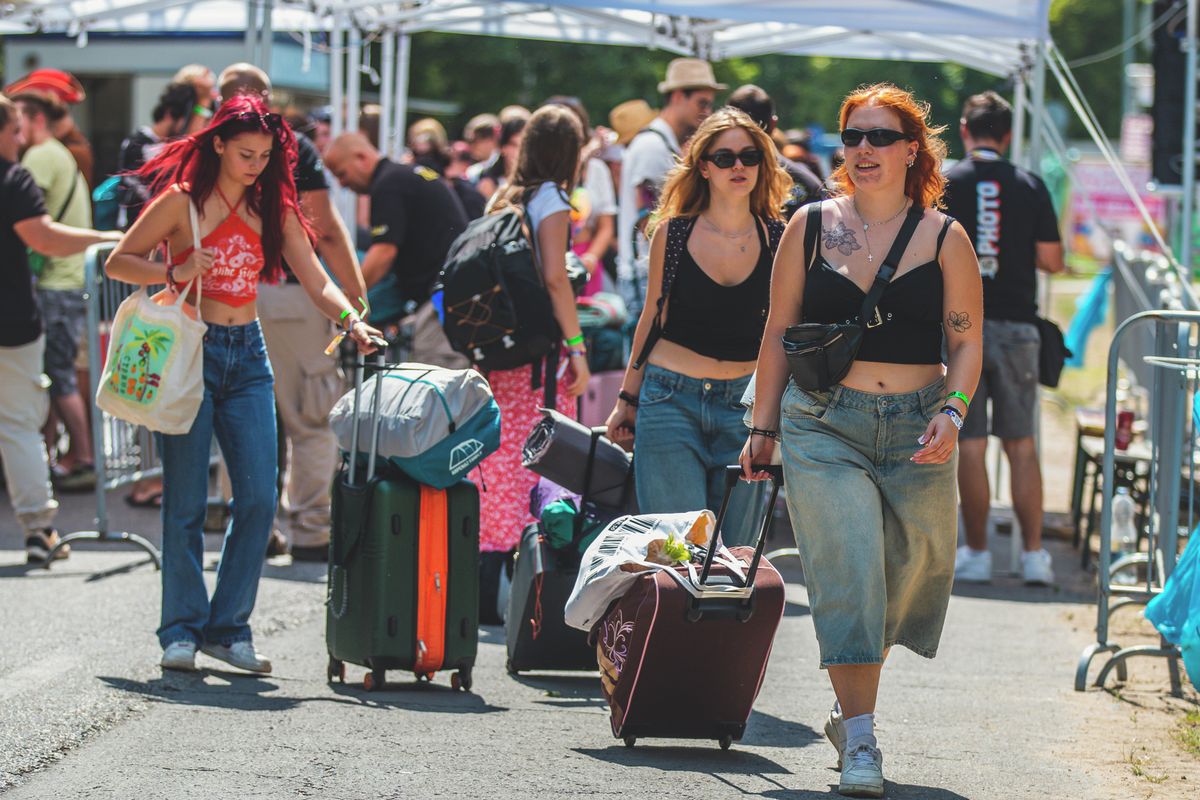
(724, 159)
(878, 137)
(271, 122)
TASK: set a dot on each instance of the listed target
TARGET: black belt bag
(819, 355)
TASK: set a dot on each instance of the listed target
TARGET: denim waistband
(845, 397)
(733, 388)
(234, 335)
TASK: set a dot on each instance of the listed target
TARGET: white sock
(860, 730)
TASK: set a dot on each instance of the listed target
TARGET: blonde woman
(706, 304)
(870, 463)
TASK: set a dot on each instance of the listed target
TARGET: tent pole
(353, 78)
(266, 36)
(403, 59)
(1038, 120)
(1017, 152)
(337, 39)
(250, 37)
(1189, 141)
(387, 95)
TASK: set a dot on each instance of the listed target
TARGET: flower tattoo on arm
(840, 238)
(960, 321)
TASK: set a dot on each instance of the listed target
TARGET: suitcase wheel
(630, 741)
(725, 741)
(335, 670)
(461, 680)
(374, 680)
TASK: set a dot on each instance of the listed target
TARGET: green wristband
(960, 396)
(345, 314)
(574, 341)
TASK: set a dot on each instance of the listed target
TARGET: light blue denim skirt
(876, 532)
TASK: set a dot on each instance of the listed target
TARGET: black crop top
(722, 322)
(910, 310)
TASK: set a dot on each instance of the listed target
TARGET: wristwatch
(954, 415)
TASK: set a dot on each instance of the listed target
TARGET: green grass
(1188, 733)
(1138, 766)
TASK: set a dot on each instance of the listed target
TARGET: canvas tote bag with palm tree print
(154, 373)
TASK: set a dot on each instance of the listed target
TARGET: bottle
(1124, 534)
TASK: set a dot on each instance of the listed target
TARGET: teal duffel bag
(436, 424)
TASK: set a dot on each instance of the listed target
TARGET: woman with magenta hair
(237, 175)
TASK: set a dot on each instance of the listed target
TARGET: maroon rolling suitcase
(682, 658)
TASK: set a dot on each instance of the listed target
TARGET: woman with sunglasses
(870, 463)
(680, 401)
(237, 175)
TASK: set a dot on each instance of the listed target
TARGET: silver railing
(1172, 366)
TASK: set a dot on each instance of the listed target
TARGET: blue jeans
(239, 406)
(688, 430)
(876, 532)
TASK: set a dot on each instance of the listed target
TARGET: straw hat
(690, 73)
(630, 117)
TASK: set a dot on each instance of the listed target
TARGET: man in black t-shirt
(170, 120)
(414, 220)
(1010, 217)
(24, 399)
(758, 105)
(307, 382)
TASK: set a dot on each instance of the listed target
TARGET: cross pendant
(870, 259)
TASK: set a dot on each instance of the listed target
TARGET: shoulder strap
(888, 269)
(678, 231)
(76, 177)
(775, 229)
(942, 236)
(812, 230)
(659, 134)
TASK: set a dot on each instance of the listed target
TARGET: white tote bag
(154, 372)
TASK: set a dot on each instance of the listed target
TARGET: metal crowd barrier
(1174, 377)
(124, 453)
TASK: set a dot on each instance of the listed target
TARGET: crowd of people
(717, 232)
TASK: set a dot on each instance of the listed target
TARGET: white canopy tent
(1009, 39)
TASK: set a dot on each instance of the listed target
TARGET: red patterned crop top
(237, 262)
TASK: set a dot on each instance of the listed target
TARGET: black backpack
(496, 309)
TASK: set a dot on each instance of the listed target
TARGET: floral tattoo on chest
(960, 321)
(841, 239)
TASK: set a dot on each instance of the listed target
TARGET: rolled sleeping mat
(557, 449)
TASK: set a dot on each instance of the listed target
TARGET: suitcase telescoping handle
(373, 449)
(733, 474)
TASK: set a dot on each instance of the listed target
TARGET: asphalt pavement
(85, 712)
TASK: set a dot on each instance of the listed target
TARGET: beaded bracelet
(774, 435)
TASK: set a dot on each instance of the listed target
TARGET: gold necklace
(866, 225)
(733, 236)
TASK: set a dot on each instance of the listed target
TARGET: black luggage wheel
(461, 680)
(335, 670)
(374, 680)
(726, 741)
(630, 741)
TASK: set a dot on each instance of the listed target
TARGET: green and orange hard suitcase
(403, 573)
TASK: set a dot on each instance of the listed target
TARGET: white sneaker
(239, 654)
(835, 732)
(862, 776)
(180, 655)
(972, 566)
(1035, 567)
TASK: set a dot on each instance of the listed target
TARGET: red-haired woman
(237, 173)
(870, 463)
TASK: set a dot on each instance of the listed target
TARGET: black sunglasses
(724, 159)
(878, 137)
(271, 122)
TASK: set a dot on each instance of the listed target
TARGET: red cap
(62, 85)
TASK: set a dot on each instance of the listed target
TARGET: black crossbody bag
(819, 354)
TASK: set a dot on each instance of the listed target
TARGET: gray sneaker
(862, 776)
(835, 732)
(239, 654)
